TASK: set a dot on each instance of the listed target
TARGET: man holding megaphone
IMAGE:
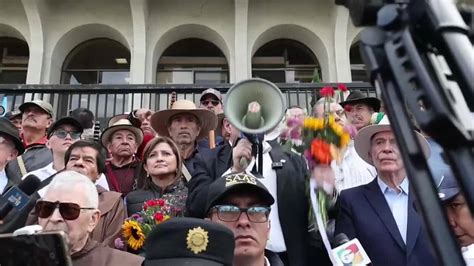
(255, 107)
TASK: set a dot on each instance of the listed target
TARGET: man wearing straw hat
(381, 214)
(122, 140)
(185, 124)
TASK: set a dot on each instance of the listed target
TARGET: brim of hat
(371, 101)
(448, 193)
(159, 120)
(104, 138)
(25, 105)
(266, 197)
(181, 262)
(65, 121)
(18, 144)
(364, 137)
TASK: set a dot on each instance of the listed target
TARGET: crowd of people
(223, 212)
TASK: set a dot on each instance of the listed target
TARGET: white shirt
(398, 203)
(276, 242)
(3, 180)
(48, 171)
(353, 171)
(468, 254)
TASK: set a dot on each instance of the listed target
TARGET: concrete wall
(52, 28)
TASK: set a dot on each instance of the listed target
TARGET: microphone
(17, 197)
(349, 252)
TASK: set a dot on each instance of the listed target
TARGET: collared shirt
(3, 180)
(398, 203)
(468, 254)
(42, 140)
(352, 171)
(276, 242)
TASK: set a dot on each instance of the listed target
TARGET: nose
(56, 216)
(79, 163)
(243, 220)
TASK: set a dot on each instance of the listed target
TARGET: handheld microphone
(17, 197)
(349, 252)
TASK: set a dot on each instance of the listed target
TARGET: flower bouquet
(136, 228)
(320, 140)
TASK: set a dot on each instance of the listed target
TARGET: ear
(93, 221)
(145, 167)
(50, 122)
(268, 229)
(12, 155)
(108, 147)
(48, 144)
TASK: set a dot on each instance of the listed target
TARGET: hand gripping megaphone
(254, 106)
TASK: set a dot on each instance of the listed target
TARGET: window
(14, 56)
(285, 61)
(192, 61)
(358, 69)
(98, 61)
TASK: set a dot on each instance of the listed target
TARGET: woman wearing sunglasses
(162, 163)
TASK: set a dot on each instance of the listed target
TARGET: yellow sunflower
(133, 234)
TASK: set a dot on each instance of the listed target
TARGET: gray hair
(71, 179)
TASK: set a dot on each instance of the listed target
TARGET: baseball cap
(189, 241)
(238, 181)
(65, 121)
(449, 187)
(213, 92)
(47, 108)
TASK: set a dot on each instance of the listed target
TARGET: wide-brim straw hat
(363, 139)
(161, 120)
(121, 124)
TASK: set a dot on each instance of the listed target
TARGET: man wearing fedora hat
(359, 108)
(381, 214)
(37, 117)
(124, 169)
(185, 124)
(10, 147)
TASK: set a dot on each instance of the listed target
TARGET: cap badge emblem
(197, 240)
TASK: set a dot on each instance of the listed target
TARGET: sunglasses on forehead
(68, 210)
(214, 102)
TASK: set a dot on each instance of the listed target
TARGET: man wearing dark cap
(211, 99)
(10, 147)
(359, 108)
(62, 134)
(86, 118)
(459, 215)
(189, 241)
(14, 117)
(242, 203)
(37, 117)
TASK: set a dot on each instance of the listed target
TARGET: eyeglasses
(61, 133)
(68, 210)
(214, 102)
(231, 213)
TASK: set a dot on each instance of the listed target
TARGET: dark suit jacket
(365, 215)
(293, 203)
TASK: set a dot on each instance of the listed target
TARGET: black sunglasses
(68, 210)
(231, 213)
(61, 133)
(214, 102)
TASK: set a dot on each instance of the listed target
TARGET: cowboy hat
(359, 97)
(161, 120)
(121, 124)
(8, 129)
(362, 140)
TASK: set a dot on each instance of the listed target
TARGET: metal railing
(106, 101)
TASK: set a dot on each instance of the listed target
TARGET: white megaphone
(254, 106)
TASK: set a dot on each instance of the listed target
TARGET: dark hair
(84, 116)
(101, 154)
(151, 145)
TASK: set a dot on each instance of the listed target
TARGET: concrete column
(36, 46)
(341, 47)
(242, 65)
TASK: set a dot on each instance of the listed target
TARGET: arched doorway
(14, 56)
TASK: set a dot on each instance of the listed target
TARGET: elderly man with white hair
(71, 205)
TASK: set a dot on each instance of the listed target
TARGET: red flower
(342, 87)
(150, 203)
(327, 91)
(348, 108)
(320, 150)
(158, 217)
(160, 202)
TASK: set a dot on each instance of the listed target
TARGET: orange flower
(320, 151)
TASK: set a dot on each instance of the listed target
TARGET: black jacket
(293, 202)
